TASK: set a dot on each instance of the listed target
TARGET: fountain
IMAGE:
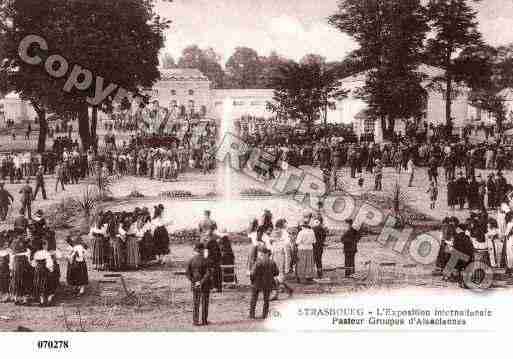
(224, 173)
(231, 212)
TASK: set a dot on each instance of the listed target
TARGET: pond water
(231, 215)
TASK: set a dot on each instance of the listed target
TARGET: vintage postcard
(302, 166)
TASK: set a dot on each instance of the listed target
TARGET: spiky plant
(86, 204)
(104, 184)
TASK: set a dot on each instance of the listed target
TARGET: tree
(270, 66)
(207, 61)
(390, 34)
(503, 67)
(455, 29)
(243, 68)
(116, 40)
(168, 62)
(313, 59)
(304, 91)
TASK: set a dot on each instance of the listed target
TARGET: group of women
(293, 251)
(29, 266)
(481, 238)
(129, 240)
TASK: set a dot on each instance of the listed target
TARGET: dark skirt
(133, 259)
(54, 277)
(77, 273)
(5, 274)
(228, 273)
(22, 277)
(100, 252)
(146, 248)
(161, 240)
(41, 279)
(116, 260)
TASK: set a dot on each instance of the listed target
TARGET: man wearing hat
(5, 200)
(40, 183)
(262, 280)
(378, 175)
(199, 272)
(26, 198)
(350, 241)
(461, 189)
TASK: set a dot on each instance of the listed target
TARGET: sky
(293, 28)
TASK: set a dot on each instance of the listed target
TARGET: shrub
(176, 194)
(255, 192)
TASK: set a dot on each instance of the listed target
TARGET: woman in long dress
(77, 275)
(493, 243)
(279, 256)
(133, 257)
(305, 260)
(97, 234)
(160, 234)
(116, 255)
(43, 268)
(145, 238)
(227, 259)
(21, 272)
(253, 251)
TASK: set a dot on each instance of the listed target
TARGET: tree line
(120, 40)
(396, 36)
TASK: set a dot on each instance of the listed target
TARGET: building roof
(182, 75)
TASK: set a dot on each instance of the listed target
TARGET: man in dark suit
(461, 186)
(198, 272)
(6, 199)
(350, 241)
(262, 280)
(26, 198)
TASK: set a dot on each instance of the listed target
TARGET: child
(44, 284)
(5, 273)
(77, 267)
(433, 194)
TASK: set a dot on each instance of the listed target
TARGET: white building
(352, 109)
(187, 91)
(13, 108)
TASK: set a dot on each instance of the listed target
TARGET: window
(191, 92)
(256, 103)
(191, 105)
(173, 92)
(238, 103)
(203, 110)
(182, 110)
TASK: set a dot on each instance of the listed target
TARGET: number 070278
(53, 344)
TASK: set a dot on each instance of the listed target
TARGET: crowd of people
(29, 263)
(129, 240)
(480, 238)
(278, 254)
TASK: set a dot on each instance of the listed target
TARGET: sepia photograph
(255, 166)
